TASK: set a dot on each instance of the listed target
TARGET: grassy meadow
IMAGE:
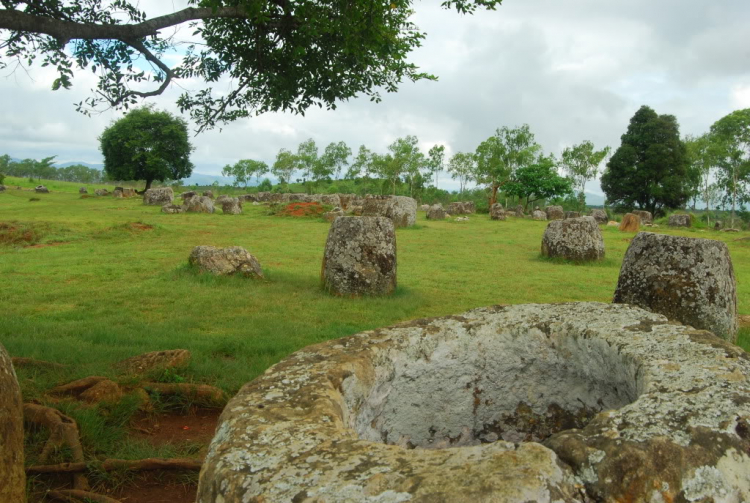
(87, 282)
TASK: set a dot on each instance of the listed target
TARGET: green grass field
(108, 278)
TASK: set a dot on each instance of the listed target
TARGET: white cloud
(572, 70)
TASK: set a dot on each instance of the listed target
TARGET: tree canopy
(731, 139)
(538, 181)
(648, 170)
(244, 169)
(498, 157)
(581, 163)
(280, 55)
(147, 145)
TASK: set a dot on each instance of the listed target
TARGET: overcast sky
(573, 70)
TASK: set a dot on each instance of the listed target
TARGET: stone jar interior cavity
(517, 387)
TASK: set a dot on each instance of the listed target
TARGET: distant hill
(201, 179)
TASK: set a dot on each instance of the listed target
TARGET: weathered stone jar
(565, 402)
(12, 475)
(690, 280)
(578, 239)
(360, 257)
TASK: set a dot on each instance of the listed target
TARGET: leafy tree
(284, 166)
(581, 163)
(335, 158)
(404, 158)
(731, 135)
(435, 160)
(538, 181)
(362, 164)
(282, 56)
(500, 155)
(147, 144)
(650, 166)
(244, 170)
(462, 166)
(307, 161)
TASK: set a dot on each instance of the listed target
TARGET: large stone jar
(575, 402)
(578, 239)
(360, 257)
(690, 280)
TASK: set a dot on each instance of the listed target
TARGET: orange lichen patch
(302, 210)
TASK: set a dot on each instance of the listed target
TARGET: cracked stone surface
(360, 257)
(401, 210)
(564, 402)
(689, 280)
(577, 239)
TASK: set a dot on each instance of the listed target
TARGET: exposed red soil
(137, 226)
(156, 488)
(198, 426)
(302, 210)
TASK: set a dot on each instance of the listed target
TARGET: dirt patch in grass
(17, 233)
(138, 226)
(151, 488)
(46, 245)
(198, 426)
(744, 321)
(300, 210)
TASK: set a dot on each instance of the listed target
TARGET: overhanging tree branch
(64, 31)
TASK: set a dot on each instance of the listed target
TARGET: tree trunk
(148, 184)
(493, 197)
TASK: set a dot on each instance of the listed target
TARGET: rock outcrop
(172, 208)
(578, 239)
(519, 211)
(497, 212)
(539, 215)
(160, 196)
(600, 216)
(225, 261)
(154, 361)
(101, 192)
(554, 212)
(199, 204)
(332, 215)
(436, 212)
(231, 206)
(567, 402)
(572, 214)
(681, 220)
(645, 216)
(83, 190)
(360, 257)
(12, 474)
(41, 189)
(690, 280)
(400, 209)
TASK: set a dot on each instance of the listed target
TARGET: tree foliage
(284, 166)
(148, 145)
(462, 166)
(243, 171)
(538, 181)
(435, 161)
(581, 163)
(648, 170)
(45, 169)
(731, 143)
(280, 56)
(500, 155)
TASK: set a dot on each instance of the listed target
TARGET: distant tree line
(45, 169)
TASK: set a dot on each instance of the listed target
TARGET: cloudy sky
(573, 70)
